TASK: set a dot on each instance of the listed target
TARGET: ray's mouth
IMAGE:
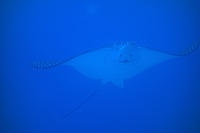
(124, 61)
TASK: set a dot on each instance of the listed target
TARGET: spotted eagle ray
(115, 63)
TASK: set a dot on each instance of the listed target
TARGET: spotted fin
(189, 50)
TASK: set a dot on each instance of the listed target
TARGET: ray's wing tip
(38, 66)
(192, 49)
(35, 65)
(41, 65)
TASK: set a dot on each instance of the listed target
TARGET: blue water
(163, 99)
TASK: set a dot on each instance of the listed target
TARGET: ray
(116, 63)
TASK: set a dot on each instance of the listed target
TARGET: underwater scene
(100, 66)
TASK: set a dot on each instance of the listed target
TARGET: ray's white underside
(103, 64)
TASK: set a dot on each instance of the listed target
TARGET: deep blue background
(163, 99)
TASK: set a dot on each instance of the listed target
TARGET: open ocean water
(162, 99)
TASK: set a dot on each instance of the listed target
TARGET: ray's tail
(85, 101)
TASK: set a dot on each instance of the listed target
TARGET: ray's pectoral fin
(118, 82)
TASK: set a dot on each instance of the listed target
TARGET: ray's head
(125, 52)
